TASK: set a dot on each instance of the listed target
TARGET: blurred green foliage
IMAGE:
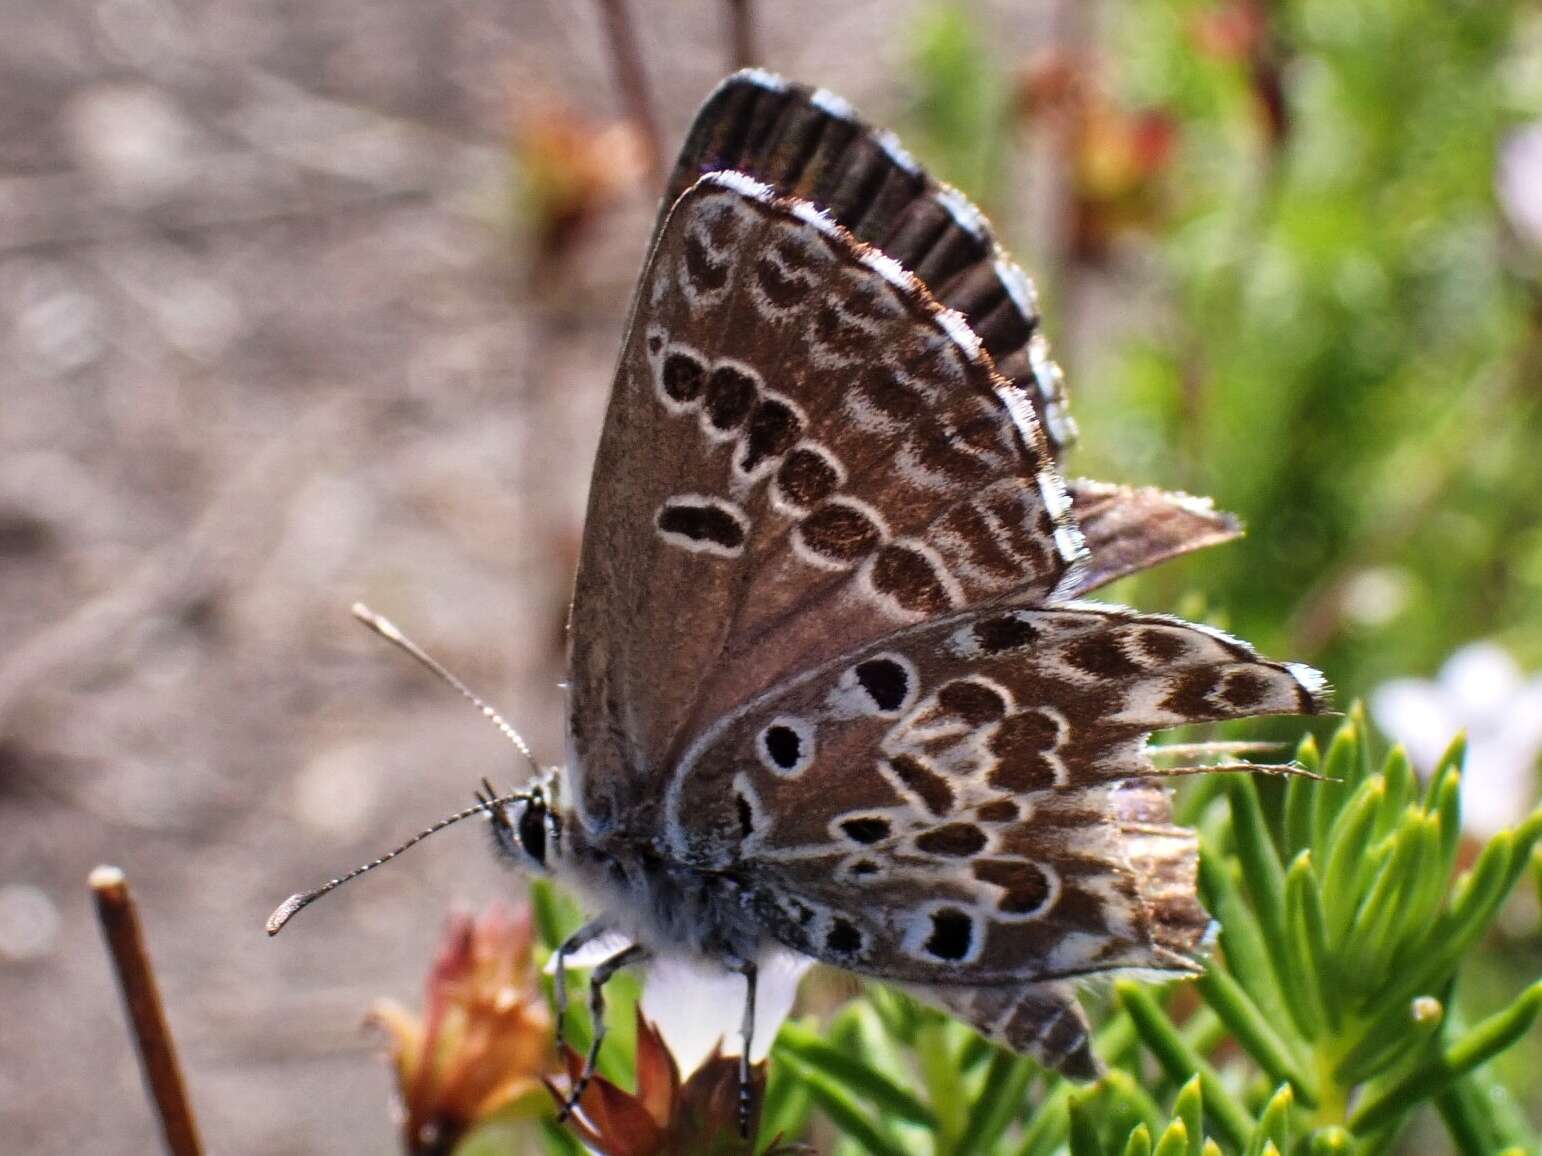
(1347, 349)
(1354, 356)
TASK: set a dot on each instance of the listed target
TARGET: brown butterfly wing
(1129, 529)
(810, 144)
(803, 451)
(970, 801)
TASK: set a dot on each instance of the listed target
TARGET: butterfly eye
(532, 831)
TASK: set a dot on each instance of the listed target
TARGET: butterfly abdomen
(664, 905)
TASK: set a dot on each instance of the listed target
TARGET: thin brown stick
(627, 61)
(741, 34)
(119, 918)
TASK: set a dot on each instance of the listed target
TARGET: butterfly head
(527, 828)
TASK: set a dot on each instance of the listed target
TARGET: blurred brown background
(278, 332)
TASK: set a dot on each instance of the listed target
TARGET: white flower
(697, 1006)
(1519, 182)
(1480, 690)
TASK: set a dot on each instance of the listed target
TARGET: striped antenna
(287, 910)
(388, 630)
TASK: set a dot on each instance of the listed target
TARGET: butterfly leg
(597, 981)
(585, 934)
(750, 972)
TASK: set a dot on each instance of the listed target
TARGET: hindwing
(971, 800)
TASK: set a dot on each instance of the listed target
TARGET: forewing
(809, 143)
(970, 800)
(803, 451)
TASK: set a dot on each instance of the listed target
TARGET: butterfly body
(646, 898)
(831, 687)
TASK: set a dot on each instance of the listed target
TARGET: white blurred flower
(1519, 182)
(698, 1006)
(1482, 691)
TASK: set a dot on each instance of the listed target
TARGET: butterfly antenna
(388, 630)
(286, 910)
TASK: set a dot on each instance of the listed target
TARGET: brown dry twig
(627, 60)
(119, 918)
(741, 34)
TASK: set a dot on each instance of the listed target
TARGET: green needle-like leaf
(786, 1108)
(1341, 764)
(1139, 1143)
(1049, 1124)
(1084, 1128)
(1130, 1099)
(1274, 1125)
(900, 1014)
(1398, 1033)
(1002, 1098)
(1175, 1141)
(1402, 787)
(1310, 970)
(1371, 940)
(842, 1110)
(852, 1072)
(1189, 1109)
(937, 1058)
(1451, 763)
(1301, 797)
(1330, 1142)
(1477, 897)
(1260, 862)
(1346, 855)
(1427, 884)
(1468, 1119)
(1446, 802)
(1180, 1061)
(1365, 761)
(1253, 1030)
(1247, 950)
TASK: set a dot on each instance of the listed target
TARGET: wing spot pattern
(786, 746)
(807, 476)
(953, 841)
(703, 525)
(925, 782)
(731, 393)
(913, 578)
(866, 829)
(886, 681)
(974, 700)
(839, 533)
(949, 935)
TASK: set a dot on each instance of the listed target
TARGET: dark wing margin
(809, 143)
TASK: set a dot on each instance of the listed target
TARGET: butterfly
(833, 688)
